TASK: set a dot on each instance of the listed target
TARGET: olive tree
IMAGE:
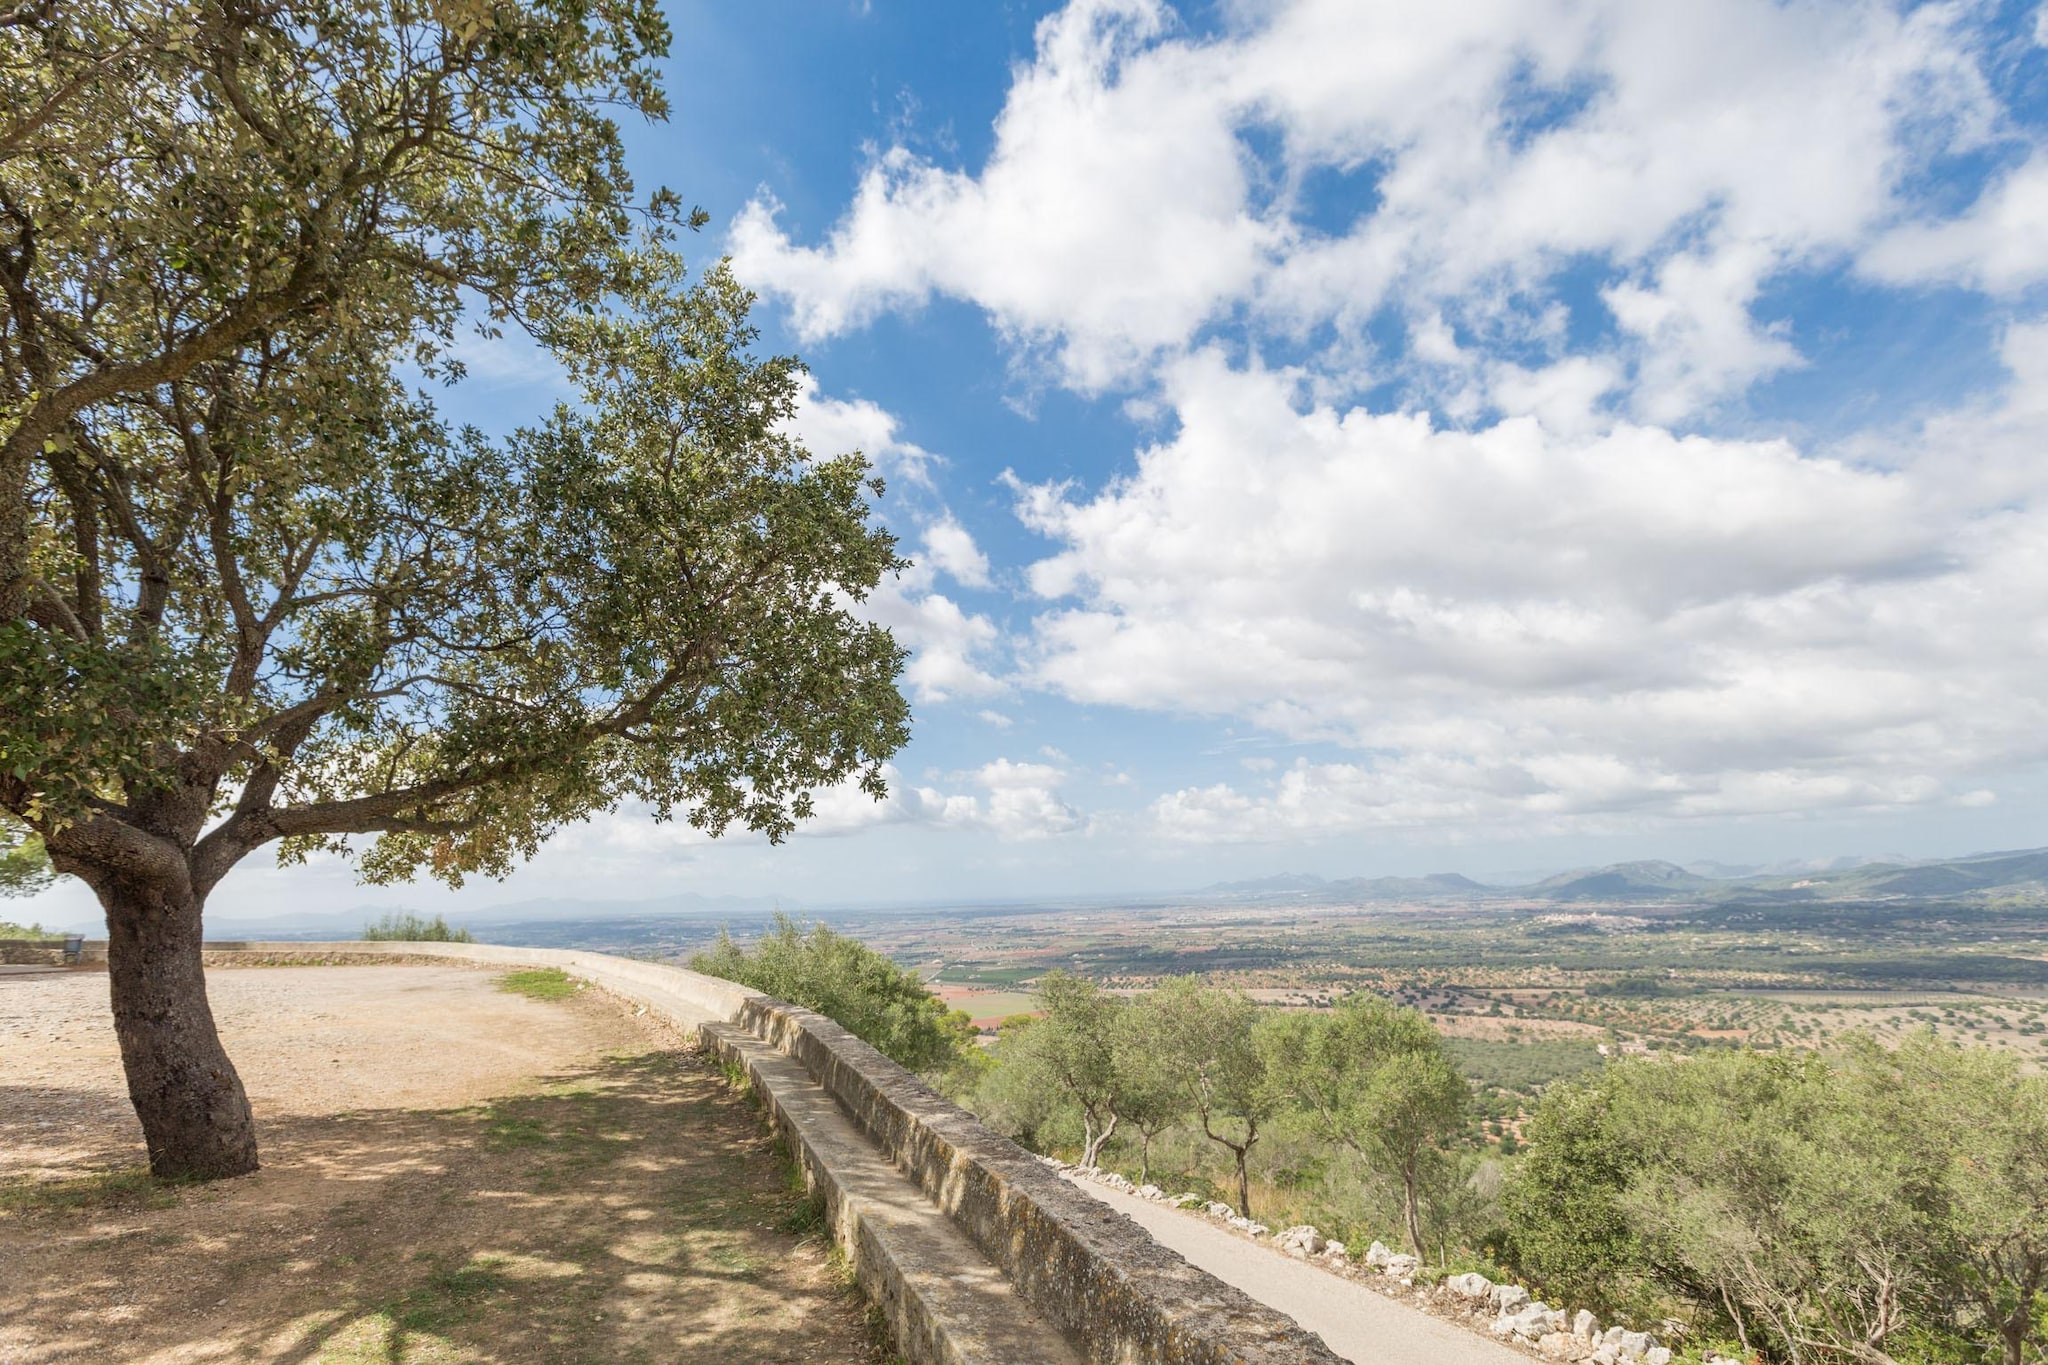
(1374, 1078)
(1214, 1041)
(1070, 1052)
(254, 589)
(1151, 1098)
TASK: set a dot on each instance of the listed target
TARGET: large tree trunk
(195, 1114)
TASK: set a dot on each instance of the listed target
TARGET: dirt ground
(451, 1173)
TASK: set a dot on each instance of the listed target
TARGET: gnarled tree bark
(195, 1114)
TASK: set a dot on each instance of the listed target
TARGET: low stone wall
(1120, 1295)
(31, 952)
(1116, 1294)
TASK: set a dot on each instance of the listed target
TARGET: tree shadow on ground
(633, 1210)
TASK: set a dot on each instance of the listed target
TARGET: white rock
(1149, 1192)
(1401, 1267)
(1470, 1285)
(1334, 1249)
(1635, 1345)
(1585, 1326)
(1606, 1353)
(1508, 1297)
(1301, 1240)
(1657, 1355)
(1219, 1210)
(1186, 1201)
(1377, 1254)
(1257, 1229)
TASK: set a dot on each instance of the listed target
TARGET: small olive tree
(1214, 1040)
(1070, 1052)
(1374, 1078)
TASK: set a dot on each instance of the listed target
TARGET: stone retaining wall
(31, 952)
(1117, 1295)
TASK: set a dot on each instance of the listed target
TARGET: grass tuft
(542, 983)
(130, 1188)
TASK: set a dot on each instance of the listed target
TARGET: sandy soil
(451, 1173)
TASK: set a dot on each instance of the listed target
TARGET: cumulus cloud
(1535, 587)
(951, 550)
(951, 647)
(1514, 621)
(1145, 183)
(1999, 244)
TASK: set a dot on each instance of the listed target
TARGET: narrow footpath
(1352, 1320)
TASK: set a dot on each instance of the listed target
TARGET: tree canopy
(254, 587)
(1866, 1204)
(1375, 1078)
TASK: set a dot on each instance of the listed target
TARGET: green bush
(1865, 1204)
(9, 929)
(842, 978)
(411, 928)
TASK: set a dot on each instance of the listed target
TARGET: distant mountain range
(2020, 874)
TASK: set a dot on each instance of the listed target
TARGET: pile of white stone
(1514, 1314)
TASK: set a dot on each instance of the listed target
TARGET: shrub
(411, 928)
(842, 978)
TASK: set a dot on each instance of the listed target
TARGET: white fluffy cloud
(1013, 801)
(950, 646)
(1512, 622)
(1696, 151)
(1526, 596)
(2000, 244)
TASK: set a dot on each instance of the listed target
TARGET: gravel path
(1352, 1320)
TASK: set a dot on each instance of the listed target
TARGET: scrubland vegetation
(411, 928)
(1849, 1201)
(844, 979)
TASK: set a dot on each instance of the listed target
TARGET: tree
(1070, 1051)
(1861, 1205)
(1152, 1100)
(253, 589)
(1375, 1079)
(882, 1004)
(1979, 1125)
(1212, 1038)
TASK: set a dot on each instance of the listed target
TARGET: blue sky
(1379, 439)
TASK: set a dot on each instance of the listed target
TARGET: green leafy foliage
(255, 587)
(408, 927)
(24, 866)
(842, 978)
(1867, 1204)
(1375, 1078)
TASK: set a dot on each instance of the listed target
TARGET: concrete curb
(1115, 1295)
